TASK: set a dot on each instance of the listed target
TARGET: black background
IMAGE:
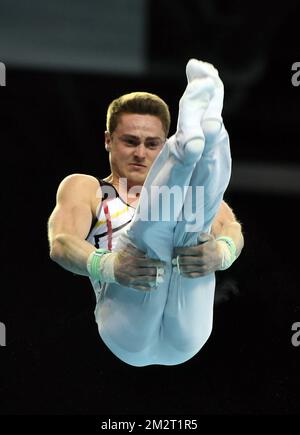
(52, 125)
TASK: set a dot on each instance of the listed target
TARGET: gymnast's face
(133, 147)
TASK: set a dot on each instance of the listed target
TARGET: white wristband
(100, 265)
(228, 251)
(106, 267)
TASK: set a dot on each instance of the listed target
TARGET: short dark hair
(142, 103)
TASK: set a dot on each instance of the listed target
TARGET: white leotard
(112, 218)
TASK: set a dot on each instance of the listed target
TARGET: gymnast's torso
(111, 219)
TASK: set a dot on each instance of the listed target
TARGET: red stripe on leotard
(109, 225)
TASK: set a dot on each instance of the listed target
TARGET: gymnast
(151, 235)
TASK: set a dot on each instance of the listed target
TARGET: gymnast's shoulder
(80, 185)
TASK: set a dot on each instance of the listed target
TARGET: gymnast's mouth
(138, 165)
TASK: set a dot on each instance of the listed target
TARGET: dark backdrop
(52, 124)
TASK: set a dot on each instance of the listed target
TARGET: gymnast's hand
(199, 260)
(132, 268)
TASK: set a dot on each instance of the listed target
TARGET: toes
(198, 69)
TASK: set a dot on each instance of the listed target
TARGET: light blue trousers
(170, 324)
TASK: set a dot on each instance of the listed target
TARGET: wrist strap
(93, 263)
(228, 259)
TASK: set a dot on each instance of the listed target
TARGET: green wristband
(94, 262)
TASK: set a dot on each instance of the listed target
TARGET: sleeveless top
(111, 220)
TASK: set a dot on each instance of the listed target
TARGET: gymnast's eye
(153, 144)
(130, 141)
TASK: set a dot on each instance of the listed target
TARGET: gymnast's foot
(212, 119)
(188, 142)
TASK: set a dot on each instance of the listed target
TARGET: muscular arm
(70, 223)
(226, 224)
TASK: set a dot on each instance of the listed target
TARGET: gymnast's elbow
(56, 250)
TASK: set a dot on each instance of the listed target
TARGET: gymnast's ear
(107, 137)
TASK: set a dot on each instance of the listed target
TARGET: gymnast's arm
(206, 257)
(70, 222)
(69, 225)
(225, 224)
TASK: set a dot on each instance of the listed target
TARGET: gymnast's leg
(130, 320)
(188, 313)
